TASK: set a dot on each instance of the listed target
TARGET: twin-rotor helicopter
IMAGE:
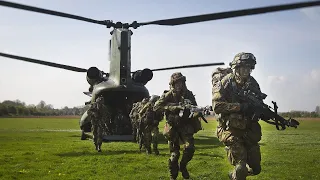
(122, 87)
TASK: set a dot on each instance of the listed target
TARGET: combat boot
(98, 147)
(184, 171)
(156, 151)
(148, 150)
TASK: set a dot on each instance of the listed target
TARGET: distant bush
(17, 108)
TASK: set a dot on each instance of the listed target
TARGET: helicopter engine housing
(94, 76)
(142, 76)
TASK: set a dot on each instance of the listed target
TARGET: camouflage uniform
(139, 122)
(235, 130)
(134, 119)
(176, 128)
(151, 121)
(99, 119)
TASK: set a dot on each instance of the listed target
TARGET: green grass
(29, 150)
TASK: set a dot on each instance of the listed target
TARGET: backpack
(218, 74)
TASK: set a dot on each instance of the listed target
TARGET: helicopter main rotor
(166, 22)
(172, 21)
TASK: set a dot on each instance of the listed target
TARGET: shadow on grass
(77, 136)
(207, 142)
(210, 155)
(105, 152)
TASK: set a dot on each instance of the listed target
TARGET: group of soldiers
(235, 130)
(145, 124)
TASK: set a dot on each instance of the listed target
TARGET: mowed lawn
(50, 148)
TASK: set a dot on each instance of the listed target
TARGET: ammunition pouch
(253, 134)
(235, 120)
(173, 120)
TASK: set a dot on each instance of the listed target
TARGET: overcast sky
(286, 44)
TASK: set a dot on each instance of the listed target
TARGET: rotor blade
(188, 66)
(46, 11)
(71, 68)
(230, 14)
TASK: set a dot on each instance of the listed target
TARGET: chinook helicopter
(121, 87)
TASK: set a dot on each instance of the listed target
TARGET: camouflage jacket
(133, 110)
(99, 115)
(169, 100)
(134, 114)
(226, 105)
(148, 113)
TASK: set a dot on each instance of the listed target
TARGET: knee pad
(189, 147)
(175, 156)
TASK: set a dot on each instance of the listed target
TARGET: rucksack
(218, 74)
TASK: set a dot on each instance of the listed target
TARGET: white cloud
(315, 75)
(299, 92)
(276, 79)
(312, 79)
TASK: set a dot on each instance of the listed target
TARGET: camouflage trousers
(175, 135)
(134, 125)
(97, 132)
(151, 134)
(243, 151)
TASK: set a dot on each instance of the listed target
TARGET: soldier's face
(179, 85)
(244, 72)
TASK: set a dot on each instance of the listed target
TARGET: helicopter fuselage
(119, 88)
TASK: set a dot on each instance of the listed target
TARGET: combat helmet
(176, 77)
(154, 98)
(243, 58)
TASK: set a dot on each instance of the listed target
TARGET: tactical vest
(235, 120)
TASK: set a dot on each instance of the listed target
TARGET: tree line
(15, 108)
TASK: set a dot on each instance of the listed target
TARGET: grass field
(50, 148)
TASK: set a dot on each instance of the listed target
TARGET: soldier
(235, 130)
(133, 117)
(140, 125)
(177, 128)
(99, 119)
(151, 121)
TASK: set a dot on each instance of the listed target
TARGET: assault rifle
(260, 110)
(190, 111)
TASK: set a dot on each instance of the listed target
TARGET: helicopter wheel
(83, 135)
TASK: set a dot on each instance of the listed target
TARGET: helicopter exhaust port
(94, 76)
(142, 76)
